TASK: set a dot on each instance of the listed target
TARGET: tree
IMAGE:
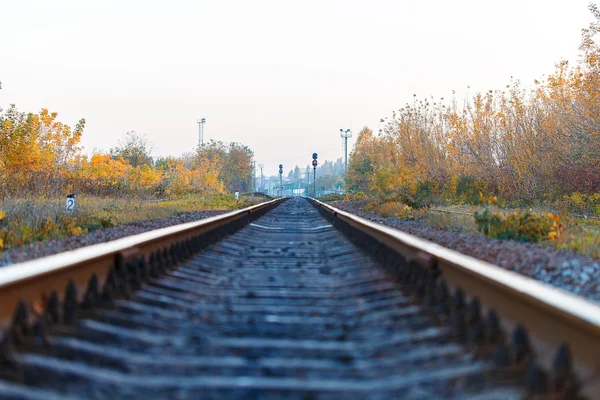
(362, 162)
(38, 154)
(41, 156)
(235, 161)
(297, 173)
(133, 148)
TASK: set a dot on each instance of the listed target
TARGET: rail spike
(476, 334)
(122, 284)
(474, 310)
(70, 303)
(493, 328)
(134, 276)
(153, 271)
(501, 356)
(39, 332)
(442, 296)
(144, 268)
(92, 293)
(536, 380)
(458, 324)
(430, 295)
(520, 344)
(110, 285)
(458, 300)
(20, 323)
(167, 260)
(563, 378)
(52, 313)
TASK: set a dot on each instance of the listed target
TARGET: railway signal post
(281, 179)
(314, 164)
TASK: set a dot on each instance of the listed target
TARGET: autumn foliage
(529, 145)
(41, 156)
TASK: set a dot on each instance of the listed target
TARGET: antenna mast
(201, 123)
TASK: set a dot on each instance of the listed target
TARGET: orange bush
(42, 157)
(536, 144)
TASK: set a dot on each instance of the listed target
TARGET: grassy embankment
(560, 225)
(24, 221)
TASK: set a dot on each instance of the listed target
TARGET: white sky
(280, 76)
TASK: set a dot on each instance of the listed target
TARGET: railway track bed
(291, 304)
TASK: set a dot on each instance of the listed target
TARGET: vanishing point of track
(288, 299)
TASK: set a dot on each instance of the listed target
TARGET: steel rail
(551, 316)
(32, 282)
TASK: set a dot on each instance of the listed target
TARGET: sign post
(71, 202)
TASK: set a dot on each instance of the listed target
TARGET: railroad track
(288, 299)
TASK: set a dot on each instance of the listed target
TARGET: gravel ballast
(564, 269)
(42, 249)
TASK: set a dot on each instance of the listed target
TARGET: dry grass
(580, 235)
(27, 220)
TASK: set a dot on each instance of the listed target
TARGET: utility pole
(253, 176)
(345, 134)
(201, 123)
(307, 181)
(262, 184)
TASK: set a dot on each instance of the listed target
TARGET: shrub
(332, 197)
(1, 239)
(355, 197)
(387, 209)
(519, 226)
(522, 226)
(408, 213)
(395, 209)
(581, 203)
(405, 198)
(587, 243)
(463, 186)
(425, 194)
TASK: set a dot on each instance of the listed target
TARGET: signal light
(314, 156)
(280, 166)
(314, 163)
(281, 171)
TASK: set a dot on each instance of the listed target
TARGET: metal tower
(262, 185)
(201, 123)
(345, 134)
